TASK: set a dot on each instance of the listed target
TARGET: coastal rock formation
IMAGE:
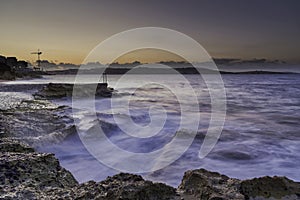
(125, 186)
(59, 90)
(267, 187)
(25, 174)
(206, 185)
(9, 145)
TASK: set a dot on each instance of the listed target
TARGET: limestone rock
(8, 145)
(129, 186)
(59, 90)
(206, 185)
(270, 187)
(24, 175)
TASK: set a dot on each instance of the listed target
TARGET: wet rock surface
(25, 174)
(126, 186)
(270, 187)
(206, 185)
(9, 145)
(60, 90)
(203, 184)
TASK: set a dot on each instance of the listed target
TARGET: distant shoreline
(115, 71)
(141, 71)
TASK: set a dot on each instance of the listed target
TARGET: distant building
(12, 62)
(22, 64)
(2, 59)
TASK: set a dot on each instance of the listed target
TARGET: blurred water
(261, 135)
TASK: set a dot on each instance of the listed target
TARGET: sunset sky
(67, 30)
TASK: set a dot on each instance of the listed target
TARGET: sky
(67, 30)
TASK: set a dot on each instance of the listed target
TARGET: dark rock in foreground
(59, 90)
(8, 145)
(206, 185)
(275, 187)
(125, 186)
(203, 184)
(25, 174)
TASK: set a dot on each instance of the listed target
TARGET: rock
(267, 187)
(129, 186)
(120, 186)
(206, 185)
(8, 145)
(59, 90)
(35, 172)
(25, 174)
(30, 175)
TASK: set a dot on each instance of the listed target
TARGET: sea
(260, 135)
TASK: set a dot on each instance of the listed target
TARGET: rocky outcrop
(25, 174)
(270, 187)
(59, 90)
(9, 145)
(125, 186)
(206, 185)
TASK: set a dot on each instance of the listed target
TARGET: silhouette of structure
(12, 62)
(104, 77)
(39, 59)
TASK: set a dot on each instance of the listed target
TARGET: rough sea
(261, 134)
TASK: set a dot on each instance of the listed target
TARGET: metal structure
(39, 58)
(104, 77)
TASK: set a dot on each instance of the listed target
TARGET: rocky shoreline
(28, 174)
(60, 90)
